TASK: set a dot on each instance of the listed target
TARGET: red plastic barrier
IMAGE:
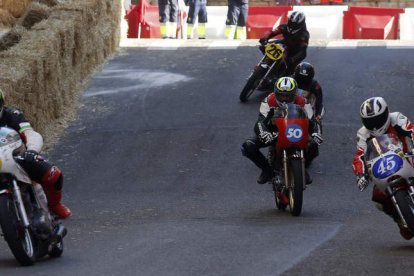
(133, 17)
(147, 17)
(262, 19)
(371, 23)
(150, 27)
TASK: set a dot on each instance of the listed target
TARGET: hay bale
(50, 3)
(6, 18)
(15, 7)
(11, 38)
(35, 13)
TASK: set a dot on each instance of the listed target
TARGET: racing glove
(317, 138)
(267, 137)
(263, 41)
(30, 155)
(362, 182)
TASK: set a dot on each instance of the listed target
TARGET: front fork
(410, 193)
(300, 155)
(19, 203)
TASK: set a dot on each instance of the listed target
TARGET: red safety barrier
(262, 19)
(143, 21)
(132, 17)
(371, 23)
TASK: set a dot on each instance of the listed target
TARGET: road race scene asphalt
(157, 183)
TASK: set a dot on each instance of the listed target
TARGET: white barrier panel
(323, 22)
(407, 24)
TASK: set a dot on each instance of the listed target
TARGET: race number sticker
(294, 133)
(274, 51)
(386, 166)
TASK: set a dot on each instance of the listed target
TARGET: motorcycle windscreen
(293, 133)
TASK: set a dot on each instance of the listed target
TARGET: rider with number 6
(377, 121)
(284, 92)
(39, 169)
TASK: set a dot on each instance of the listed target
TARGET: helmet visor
(286, 97)
(376, 122)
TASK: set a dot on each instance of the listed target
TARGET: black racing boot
(264, 177)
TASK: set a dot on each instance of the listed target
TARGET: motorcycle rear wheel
(252, 83)
(296, 192)
(406, 205)
(19, 238)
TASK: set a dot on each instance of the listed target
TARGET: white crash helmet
(375, 115)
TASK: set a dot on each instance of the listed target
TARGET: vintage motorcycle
(269, 68)
(288, 156)
(30, 230)
(392, 172)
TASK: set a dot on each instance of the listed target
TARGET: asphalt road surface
(158, 186)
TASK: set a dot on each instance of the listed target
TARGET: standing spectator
(197, 9)
(236, 15)
(168, 18)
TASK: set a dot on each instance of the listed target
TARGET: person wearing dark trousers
(197, 10)
(168, 10)
(236, 19)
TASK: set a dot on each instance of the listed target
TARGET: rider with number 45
(285, 92)
(382, 146)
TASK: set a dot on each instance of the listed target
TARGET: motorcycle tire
(406, 205)
(296, 192)
(252, 83)
(19, 239)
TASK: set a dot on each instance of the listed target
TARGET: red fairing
(283, 142)
(358, 164)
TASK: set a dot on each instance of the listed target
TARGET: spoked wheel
(19, 238)
(296, 187)
(406, 205)
(252, 83)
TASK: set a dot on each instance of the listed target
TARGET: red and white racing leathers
(399, 125)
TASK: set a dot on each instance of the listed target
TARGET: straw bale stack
(45, 71)
(6, 18)
(15, 7)
(35, 13)
(49, 3)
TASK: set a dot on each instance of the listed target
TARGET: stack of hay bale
(51, 49)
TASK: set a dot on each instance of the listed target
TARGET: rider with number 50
(284, 92)
(377, 122)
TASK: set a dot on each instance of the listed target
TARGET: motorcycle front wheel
(252, 83)
(296, 187)
(406, 205)
(19, 238)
